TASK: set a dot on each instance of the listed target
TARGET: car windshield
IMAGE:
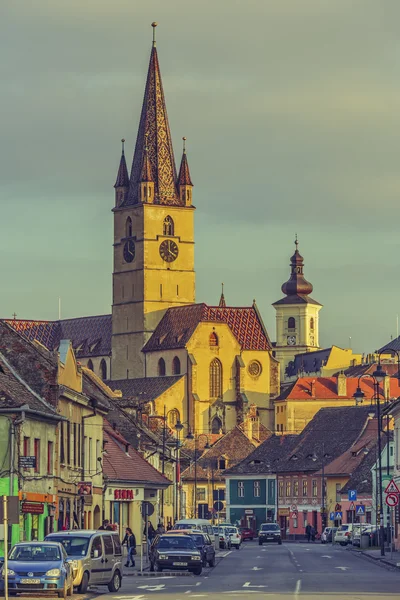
(173, 543)
(270, 527)
(185, 526)
(198, 539)
(232, 529)
(343, 528)
(74, 546)
(35, 552)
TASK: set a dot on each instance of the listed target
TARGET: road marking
(298, 588)
(257, 569)
(342, 568)
(247, 585)
(326, 556)
(152, 588)
(258, 556)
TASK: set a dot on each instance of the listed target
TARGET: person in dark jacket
(130, 541)
(308, 532)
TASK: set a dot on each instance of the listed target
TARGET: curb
(376, 559)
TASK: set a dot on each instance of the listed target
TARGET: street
(273, 571)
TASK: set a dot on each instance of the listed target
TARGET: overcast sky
(291, 109)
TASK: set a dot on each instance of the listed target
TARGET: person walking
(160, 529)
(130, 542)
(313, 533)
(308, 532)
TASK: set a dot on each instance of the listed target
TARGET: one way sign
(360, 509)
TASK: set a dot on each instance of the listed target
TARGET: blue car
(38, 567)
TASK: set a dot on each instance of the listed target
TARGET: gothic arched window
(161, 367)
(173, 417)
(213, 339)
(312, 323)
(103, 369)
(215, 379)
(90, 365)
(176, 366)
(168, 226)
(216, 425)
(128, 227)
(291, 323)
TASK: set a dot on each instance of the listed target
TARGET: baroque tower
(153, 233)
(297, 322)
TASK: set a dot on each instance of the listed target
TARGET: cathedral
(201, 364)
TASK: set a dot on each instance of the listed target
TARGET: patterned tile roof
(178, 324)
(325, 388)
(122, 175)
(90, 336)
(143, 389)
(184, 173)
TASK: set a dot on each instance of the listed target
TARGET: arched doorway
(96, 517)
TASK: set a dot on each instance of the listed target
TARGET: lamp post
(315, 458)
(378, 376)
(193, 436)
(178, 429)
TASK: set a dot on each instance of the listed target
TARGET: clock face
(129, 251)
(169, 250)
(291, 340)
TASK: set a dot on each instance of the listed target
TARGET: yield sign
(392, 488)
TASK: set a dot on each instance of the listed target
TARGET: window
(49, 458)
(288, 488)
(256, 489)
(295, 523)
(213, 340)
(173, 418)
(117, 545)
(222, 463)
(27, 446)
(90, 455)
(296, 487)
(314, 488)
(90, 365)
(280, 488)
(215, 379)
(304, 487)
(168, 226)
(161, 367)
(338, 495)
(241, 489)
(68, 443)
(108, 545)
(176, 366)
(305, 514)
(37, 454)
(216, 425)
(312, 324)
(96, 545)
(291, 323)
(103, 369)
(74, 452)
(62, 443)
(98, 453)
(128, 227)
(201, 494)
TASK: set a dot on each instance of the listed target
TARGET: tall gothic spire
(122, 175)
(297, 284)
(154, 123)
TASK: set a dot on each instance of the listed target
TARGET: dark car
(206, 547)
(246, 533)
(173, 552)
(269, 532)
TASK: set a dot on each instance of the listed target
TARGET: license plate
(179, 564)
(270, 538)
(30, 581)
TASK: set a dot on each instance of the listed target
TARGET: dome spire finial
(154, 25)
(297, 284)
(296, 241)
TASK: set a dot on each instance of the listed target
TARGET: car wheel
(211, 562)
(343, 543)
(115, 582)
(83, 586)
(63, 593)
(198, 571)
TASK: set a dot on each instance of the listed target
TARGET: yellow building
(322, 363)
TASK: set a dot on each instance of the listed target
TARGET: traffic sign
(147, 509)
(293, 507)
(392, 488)
(295, 514)
(332, 516)
(352, 495)
(338, 515)
(352, 506)
(392, 500)
(360, 509)
(219, 506)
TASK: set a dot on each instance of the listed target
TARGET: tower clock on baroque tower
(153, 233)
(297, 324)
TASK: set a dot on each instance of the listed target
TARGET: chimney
(312, 388)
(255, 422)
(248, 426)
(342, 385)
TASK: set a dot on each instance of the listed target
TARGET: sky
(291, 113)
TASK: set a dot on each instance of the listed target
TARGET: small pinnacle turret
(222, 303)
(122, 182)
(184, 180)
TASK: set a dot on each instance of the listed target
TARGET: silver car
(95, 556)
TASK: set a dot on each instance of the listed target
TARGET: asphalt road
(282, 572)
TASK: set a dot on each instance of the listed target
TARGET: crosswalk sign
(392, 488)
(360, 509)
(338, 515)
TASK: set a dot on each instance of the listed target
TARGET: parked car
(175, 552)
(343, 534)
(203, 543)
(95, 556)
(198, 524)
(269, 532)
(236, 538)
(326, 535)
(224, 538)
(39, 567)
(246, 533)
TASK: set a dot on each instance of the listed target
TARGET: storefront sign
(249, 511)
(283, 512)
(34, 508)
(27, 462)
(123, 495)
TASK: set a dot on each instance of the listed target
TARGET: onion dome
(297, 284)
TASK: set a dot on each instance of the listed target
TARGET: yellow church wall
(152, 359)
(69, 373)
(174, 398)
(340, 358)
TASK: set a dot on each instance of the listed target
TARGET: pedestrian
(313, 533)
(308, 532)
(130, 542)
(160, 529)
(169, 526)
(151, 532)
(106, 523)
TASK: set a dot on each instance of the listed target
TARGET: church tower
(153, 233)
(297, 324)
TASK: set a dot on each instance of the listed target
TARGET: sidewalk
(375, 554)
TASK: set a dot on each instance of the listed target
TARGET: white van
(199, 524)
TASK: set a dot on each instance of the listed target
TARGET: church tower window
(168, 226)
(103, 369)
(312, 324)
(128, 227)
(176, 366)
(215, 379)
(291, 323)
(161, 367)
(213, 339)
(216, 425)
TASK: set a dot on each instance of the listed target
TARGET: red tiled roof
(129, 467)
(178, 324)
(325, 388)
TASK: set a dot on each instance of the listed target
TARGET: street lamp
(314, 457)
(377, 377)
(191, 436)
